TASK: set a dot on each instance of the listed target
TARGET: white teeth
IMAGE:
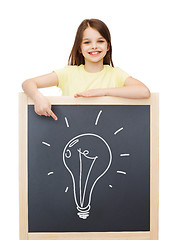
(94, 53)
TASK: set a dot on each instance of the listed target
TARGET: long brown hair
(76, 58)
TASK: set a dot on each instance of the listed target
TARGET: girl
(90, 71)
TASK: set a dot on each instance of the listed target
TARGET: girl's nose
(94, 46)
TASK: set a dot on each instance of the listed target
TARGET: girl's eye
(100, 41)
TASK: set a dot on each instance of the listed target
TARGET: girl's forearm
(30, 88)
(135, 91)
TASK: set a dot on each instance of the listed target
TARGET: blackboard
(111, 141)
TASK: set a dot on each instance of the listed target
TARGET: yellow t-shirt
(75, 79)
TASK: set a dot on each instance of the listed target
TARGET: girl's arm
(132, 88)
(41, 104)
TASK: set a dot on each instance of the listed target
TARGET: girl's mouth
(94, 53)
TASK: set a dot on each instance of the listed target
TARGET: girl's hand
(43, 107)
(92, 93)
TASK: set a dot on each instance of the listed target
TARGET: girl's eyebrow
(89, 38)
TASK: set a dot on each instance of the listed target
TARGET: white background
(37, 37)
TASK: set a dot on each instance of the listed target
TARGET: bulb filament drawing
(87, 157)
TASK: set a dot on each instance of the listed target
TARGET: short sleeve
(120, 77)
(62, 76)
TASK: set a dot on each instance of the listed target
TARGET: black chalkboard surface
(90, 170)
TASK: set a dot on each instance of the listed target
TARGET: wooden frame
(24, 101)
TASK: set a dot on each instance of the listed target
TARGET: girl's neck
(93, 67)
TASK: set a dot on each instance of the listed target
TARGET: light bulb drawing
(87, 157)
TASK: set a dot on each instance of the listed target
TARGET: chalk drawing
(74, 144)
(120, 129)
(121, 172)
(45, 143)
(97, 119)
(66, 120)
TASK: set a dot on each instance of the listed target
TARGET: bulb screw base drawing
(83, 215)
(83, 212)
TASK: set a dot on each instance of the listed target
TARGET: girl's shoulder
(73, 68)
(69, 70)
(70, 67)
(117, 70)
(111, 69)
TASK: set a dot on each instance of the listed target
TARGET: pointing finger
(53, 115)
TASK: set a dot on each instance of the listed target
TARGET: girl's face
(93, 46)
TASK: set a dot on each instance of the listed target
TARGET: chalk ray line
(122, 172)
(66, 190)
(97, 119)
(124, 154)
(66, 120)
(45, 143)
(120, 129)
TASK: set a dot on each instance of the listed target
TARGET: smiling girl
(90, 71)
